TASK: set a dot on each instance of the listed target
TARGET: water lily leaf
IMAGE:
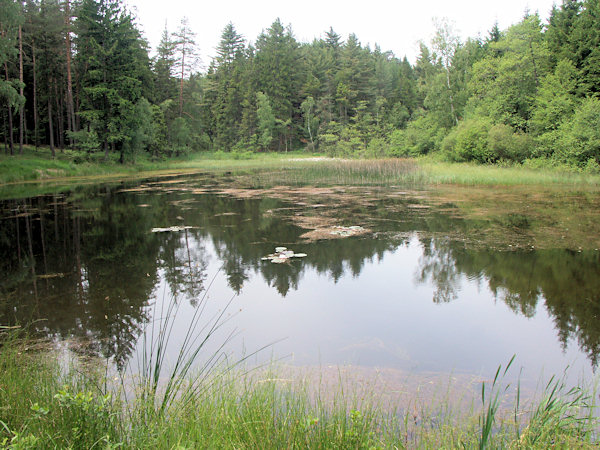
(279, 260)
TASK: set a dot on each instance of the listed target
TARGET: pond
(424, 281)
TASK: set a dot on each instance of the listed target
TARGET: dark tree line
(78, 73)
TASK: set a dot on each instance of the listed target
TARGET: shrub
(579, 139)
(592, 166)
(504, 144)
(423, 135)
(86, 141)
(377, 148)
(328, 143)
(469, 142)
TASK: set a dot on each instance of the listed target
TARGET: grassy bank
(268, 169)
(441, 172)
(38, 165)
(50, 401)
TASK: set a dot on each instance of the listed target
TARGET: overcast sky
(395, 25)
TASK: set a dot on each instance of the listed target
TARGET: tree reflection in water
(85, 264)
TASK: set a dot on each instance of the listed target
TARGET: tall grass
(440, 172)
(159, 383)
(268, 169)
(328, 172)
(45, 403)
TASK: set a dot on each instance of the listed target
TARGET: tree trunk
(5, 134)
(76, 102)
(59, 118)
(105, 148)
(51, 128)
(21, 112)
(35, 108)
(70, 106)
(10, 117)
(451, 96)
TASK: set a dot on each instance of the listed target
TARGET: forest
(79, 74)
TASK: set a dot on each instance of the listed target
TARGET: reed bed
(334, 172)
(294, 168)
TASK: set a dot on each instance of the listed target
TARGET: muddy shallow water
(419, 283)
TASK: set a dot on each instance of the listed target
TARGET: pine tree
(230, 47)
(277, 64)
(164, 68)
(10, 22)
(227, 81)
(585, 46)
(187, 58)
(116, 63)
(49, 40)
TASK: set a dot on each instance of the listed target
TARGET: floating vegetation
(173, 228)
(334, 232)
(347, 231)
(282, 255)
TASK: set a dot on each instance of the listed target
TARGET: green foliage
(10, 20)
(311, 121)
(556, 100)
(266, 121)
(181, 136)
(84, 140)
(86, 416)
(421, 136)
(277, 48)
(163, 67)
(140, 132)
(578, 139)
(469, 142)
(504, 84)
(339, 96)
(506, 144)
(159, 137)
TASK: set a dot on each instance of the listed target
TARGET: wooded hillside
(79, 74)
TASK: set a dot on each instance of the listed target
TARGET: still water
(433, 283)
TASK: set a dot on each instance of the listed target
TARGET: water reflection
(85, 263)
(566, 281)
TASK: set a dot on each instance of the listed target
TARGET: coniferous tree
(10, 22)
(226, 78)
(276, 63)
(187, 58)
(116, 64)
(51, 68)
(164, 69)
